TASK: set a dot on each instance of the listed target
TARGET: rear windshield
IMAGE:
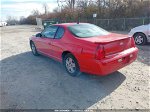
(87, 30)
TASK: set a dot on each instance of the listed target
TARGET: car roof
(69, 24)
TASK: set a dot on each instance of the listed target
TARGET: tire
(34, 50)
(140, 39)
(71, 65)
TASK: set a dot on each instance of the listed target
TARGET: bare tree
(35, 12)
(83, 4)
(71, 3)
(22, 20)
(46, 8)
(85, 8)
(12, 20)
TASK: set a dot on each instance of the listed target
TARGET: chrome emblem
(121, 43)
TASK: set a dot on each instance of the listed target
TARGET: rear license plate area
(125, 59)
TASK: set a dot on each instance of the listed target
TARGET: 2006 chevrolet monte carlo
(85, 47)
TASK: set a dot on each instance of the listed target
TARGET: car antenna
(78, 21)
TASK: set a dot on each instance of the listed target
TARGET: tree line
(84, 9)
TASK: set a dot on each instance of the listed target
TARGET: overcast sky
(17, 8)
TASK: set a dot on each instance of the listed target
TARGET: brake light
(132, 42)
(100, 53)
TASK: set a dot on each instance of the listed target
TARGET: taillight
(100, 53)
(132, 42)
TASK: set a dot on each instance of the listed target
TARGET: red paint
(95, 55)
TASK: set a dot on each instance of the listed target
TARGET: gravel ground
(29, 82)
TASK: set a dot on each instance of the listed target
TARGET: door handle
(50, 43)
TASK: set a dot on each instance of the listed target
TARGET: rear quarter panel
(83, 51)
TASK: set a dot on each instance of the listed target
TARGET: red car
(85, 47)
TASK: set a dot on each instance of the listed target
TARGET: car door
(57, 44)
(37, 42)
(149, 32)
(46, 40)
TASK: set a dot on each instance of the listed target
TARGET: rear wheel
(71, 65)
(140, 39)
(33, 48)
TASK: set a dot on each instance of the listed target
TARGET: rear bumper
(113, 63)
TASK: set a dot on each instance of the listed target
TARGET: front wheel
(71, 65)
(33, 48)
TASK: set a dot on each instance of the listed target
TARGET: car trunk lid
(117, 46)
(112, 43)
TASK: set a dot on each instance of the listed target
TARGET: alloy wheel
(139, 39)
(70, 65)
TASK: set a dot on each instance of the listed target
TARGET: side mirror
(39, 35)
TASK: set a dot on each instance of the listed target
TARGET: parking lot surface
(30, 82)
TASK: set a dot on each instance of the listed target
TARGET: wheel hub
(70, 65)
(139, 39)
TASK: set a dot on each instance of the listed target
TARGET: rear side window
(60, 33)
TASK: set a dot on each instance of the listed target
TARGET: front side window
(50, 31)
(60, 33)
(87, 30)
